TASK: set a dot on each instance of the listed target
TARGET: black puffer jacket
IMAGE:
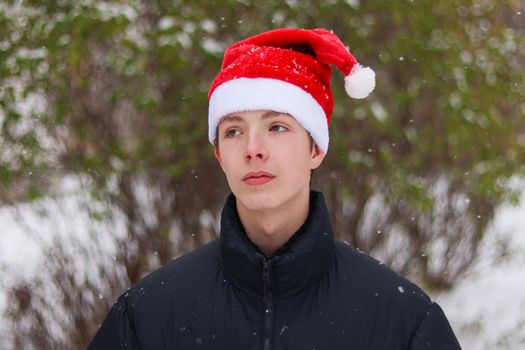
(314, 293)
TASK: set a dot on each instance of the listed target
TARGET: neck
(271, 228)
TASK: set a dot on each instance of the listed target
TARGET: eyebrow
(236, 118)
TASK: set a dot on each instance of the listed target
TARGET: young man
(276, 278)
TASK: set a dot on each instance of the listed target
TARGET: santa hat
(286, 70)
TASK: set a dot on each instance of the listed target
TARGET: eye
(232, 133)
(278, 128)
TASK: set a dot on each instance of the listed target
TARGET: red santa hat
(286, 70)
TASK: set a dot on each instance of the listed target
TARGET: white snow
(27, 228)
(486, 309)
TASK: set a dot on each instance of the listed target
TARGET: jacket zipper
(268, 307)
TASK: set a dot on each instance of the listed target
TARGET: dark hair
(216, 141)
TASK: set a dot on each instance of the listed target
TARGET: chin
(258, 200)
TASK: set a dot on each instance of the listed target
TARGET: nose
(255, 147)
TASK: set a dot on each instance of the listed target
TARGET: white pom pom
(360, 82)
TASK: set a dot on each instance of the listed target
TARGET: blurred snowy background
(106, 172)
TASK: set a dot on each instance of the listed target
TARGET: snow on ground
(486, 309)
(28, 228)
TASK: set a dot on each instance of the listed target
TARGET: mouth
(257, 178)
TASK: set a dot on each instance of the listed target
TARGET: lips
(257, 177)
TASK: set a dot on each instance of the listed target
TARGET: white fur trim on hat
(250, 94)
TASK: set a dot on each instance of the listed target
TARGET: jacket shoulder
(164, 298)
(394, 301)
(189, 271)
(369, 277)
(361, 264)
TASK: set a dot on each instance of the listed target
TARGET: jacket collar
(296, 265)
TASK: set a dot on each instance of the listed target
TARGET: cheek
(299, 164)
(226, 165)
(229, 162)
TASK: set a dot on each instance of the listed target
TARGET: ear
(317, 157)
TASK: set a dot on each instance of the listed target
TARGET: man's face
(267, 158)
